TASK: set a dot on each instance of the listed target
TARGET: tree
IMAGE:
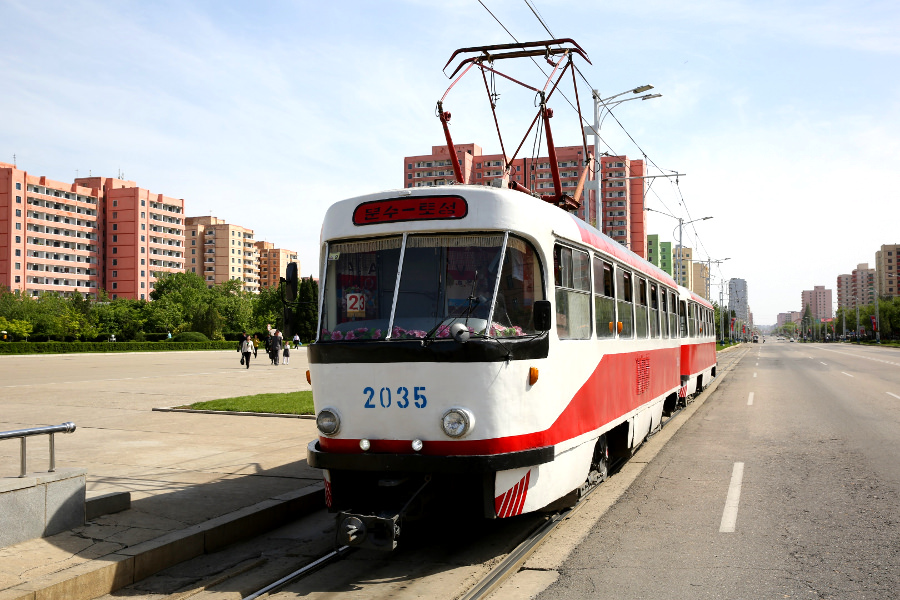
(307, 312)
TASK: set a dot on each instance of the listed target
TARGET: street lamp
(681, 224)
(609, 106)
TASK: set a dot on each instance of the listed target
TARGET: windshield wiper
(472, 303)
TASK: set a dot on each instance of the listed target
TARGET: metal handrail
(67, 427)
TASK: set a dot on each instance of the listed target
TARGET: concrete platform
(197, 482)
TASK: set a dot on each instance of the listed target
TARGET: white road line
(754, 374)
(820, 362)
(729, 515)
(894, 395)
(847, 374)
(750, 399)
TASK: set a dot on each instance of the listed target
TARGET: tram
(482, 350)
(479, 344)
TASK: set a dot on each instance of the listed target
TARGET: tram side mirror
(291, 277)
(542, 313)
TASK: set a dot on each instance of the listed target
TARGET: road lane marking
(820, 362)
(750, 399)
(729, 515)
(887, 362)
(754, 374)
(894, 395)
(847, 374)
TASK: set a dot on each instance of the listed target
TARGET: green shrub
(190, 336)
(66, 347)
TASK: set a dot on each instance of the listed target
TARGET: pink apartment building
(96, 233)
(622, 198)
(273, 263)
(819, 301)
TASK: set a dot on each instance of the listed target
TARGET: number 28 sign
(356, 304)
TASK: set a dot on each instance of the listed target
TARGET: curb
(234, 412)
(114, 571)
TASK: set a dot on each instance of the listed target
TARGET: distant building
(738, 300)
(819, 301)
(886, 271)
(788, 317)
(78, 238)
(844, 293)
(700, 277)
(659, 253)
(621, 183)
(273, 263)
(221, 251)
(862, 285)
(683, 271)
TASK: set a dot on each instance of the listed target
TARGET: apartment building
(621, 184)
(886, 271)
(862, 284)
(700, 279)
(819, 301)
(50, 235)
(788, 317)
(738, 300)
(683, 272)
(273, 263)
(659, 253)
(844, 294)
(220, 251)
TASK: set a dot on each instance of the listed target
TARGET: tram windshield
(444, 279)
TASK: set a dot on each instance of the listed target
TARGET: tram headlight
(457, 422)
(328, 421)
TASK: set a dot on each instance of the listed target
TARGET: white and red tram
(482, 346)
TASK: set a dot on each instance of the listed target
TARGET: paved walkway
(182, 469)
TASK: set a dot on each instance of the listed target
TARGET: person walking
(255, 344)
(246, 350)
(296, 340)
(287, 354)
(275, 347)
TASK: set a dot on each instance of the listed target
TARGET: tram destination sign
(422, 208)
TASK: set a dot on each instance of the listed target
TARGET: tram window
(673, 315)
(683, 319)
(573, 293)
(640, 309)
(521, 283)
(604, 299)
(624, 297)
(654, 310)
(663, 312)
(443, 276)
(359, 288)
(692, 319)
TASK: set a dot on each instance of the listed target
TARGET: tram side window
(673, 315)
(604, 299)
(521, 283)
(640, 308)
(692, 319)
(571, 270)
(624, 296)
(654, 310)
(359, 288)
(664, 313)
(683, 319)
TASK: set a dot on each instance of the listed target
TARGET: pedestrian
(296, 341)
(246, 351)
(287, 354)
(255, 344)
(275, 348)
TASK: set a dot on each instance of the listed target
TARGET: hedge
(66, 347)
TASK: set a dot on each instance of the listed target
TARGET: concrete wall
(40, 505)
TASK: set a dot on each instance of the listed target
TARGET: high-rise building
(886, 271)
(659, 253)
(738, 300)
(844, 293)
(621, 183)
(273, 263)
(95, 233)
(49, 235)
(682, 261)
(788, 317)
(700, 279)
(819, 301)
(862, 285)
(221, 251)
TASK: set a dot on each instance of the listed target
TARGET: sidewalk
(197, 481)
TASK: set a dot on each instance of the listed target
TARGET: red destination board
(395, 210)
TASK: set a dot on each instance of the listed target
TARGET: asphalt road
(783, 485)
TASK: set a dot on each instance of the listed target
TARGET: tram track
(514, 560)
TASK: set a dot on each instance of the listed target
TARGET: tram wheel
(600, 462)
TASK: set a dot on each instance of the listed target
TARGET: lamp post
(681, 224)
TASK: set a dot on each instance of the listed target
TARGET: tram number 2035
(402, 400)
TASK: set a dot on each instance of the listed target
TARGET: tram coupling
(368, 531)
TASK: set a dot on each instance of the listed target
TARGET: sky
(783, 116)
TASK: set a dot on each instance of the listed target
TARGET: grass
(290, 403)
